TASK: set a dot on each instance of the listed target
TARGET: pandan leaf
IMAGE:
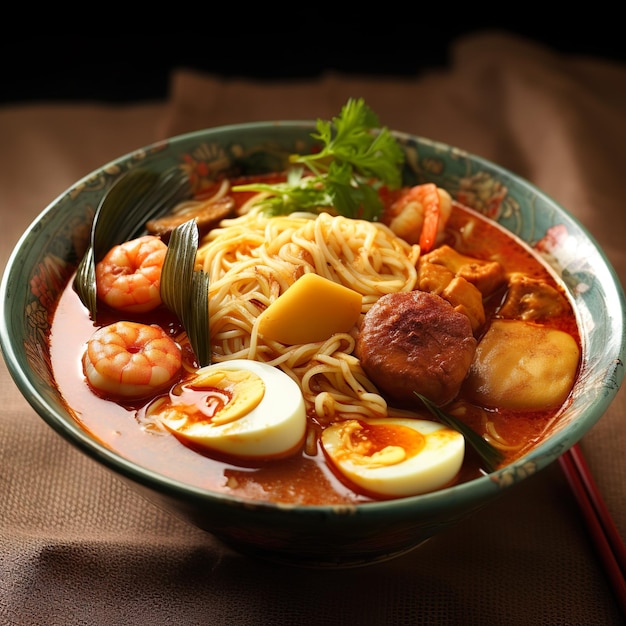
(490, 455)
(136, 197)
(185, 290)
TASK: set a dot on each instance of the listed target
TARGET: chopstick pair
(599, 522)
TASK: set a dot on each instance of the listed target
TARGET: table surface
(78, 547)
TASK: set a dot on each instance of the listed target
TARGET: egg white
(433, 466)
(274, 428)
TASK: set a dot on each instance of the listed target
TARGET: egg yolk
(394, 456)
(222, 396)
(241, 408)
(385, 444)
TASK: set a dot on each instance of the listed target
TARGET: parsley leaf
(356, 159)
(349, 195)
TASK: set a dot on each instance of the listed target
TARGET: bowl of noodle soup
(297, 511)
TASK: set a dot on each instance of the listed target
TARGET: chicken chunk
(462, 280)
(463, 295)
(486, 276)
(531, 299)
(466, 299)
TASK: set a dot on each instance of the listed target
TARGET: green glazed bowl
(316, 536)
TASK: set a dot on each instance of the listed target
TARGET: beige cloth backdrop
(78, 547)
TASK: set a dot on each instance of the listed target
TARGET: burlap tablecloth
(79, 547)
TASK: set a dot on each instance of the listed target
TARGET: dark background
(119, 67)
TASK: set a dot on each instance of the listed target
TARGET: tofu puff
(522, 365)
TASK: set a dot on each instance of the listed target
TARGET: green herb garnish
(490, 455)
(356, 159)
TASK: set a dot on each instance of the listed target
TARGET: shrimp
(129, 276)
(131, 360)
(420, 214)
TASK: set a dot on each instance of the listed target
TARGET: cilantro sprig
(357, 157)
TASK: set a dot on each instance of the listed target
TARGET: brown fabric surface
(77, 546)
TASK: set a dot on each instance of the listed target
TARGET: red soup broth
(302, 478)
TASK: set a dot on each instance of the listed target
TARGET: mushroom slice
(207, 215)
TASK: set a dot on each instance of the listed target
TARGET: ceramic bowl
(317, 536)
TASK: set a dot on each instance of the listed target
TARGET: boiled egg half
(394, 457)
(240, 408)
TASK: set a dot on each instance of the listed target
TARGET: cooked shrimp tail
(420, 214)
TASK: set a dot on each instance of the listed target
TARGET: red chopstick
(600, 524)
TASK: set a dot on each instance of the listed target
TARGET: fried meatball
(416, 342)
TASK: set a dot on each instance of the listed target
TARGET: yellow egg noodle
(253, 259)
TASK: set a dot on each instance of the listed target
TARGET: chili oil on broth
(118, 425)
(303, 478)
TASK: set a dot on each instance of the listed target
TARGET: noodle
(252, 259)
(488, 429)
(494, 438)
